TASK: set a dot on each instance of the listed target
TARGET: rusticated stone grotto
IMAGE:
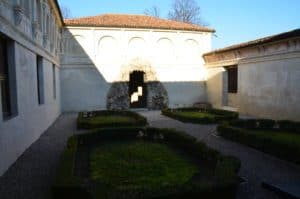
(118, 96)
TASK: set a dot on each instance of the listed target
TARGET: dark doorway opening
(137, 90)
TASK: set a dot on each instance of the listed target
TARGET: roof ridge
(134, 21)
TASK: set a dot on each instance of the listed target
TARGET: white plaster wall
(175, 56)
(83, 89)
(32, 120)
(214, 86)
(270, 88)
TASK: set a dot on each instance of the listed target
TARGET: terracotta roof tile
(134, 21)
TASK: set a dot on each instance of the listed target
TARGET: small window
(232, 72)
(40, 79)
(4, 79)
(54, 81)
(7, 78)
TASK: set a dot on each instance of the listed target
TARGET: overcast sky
(234, 20)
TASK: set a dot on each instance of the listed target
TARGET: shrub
(213, 115)
(134, 119)
(222, 183)
(283, 145)
(266, 123)
(289, 126)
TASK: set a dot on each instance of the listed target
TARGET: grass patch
(198, 115)
(140, 164)
(143, 163)
(104, 119)
(271, 139)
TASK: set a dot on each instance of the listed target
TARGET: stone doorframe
(118, 97)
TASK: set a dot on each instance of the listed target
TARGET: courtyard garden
(141, 162)
(200, 115)
(278, 138)
(101, 119)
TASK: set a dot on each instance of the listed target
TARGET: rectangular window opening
(7, 78)
(54, 80)
(4, 78)
(232, 72)
(40, 79)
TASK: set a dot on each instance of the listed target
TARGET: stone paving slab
(31, 176)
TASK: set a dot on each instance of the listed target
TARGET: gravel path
(256, 166)
(31, 176)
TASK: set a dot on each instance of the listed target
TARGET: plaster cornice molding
(275, 48)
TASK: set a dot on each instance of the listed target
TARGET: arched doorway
(137, 90)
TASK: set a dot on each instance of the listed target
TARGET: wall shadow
(84, 86)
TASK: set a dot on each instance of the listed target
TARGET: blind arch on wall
(136, 47)
(165, 50)
(107, 49)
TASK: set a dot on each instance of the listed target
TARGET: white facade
(268, 79)
(28, 39)
(95, 58)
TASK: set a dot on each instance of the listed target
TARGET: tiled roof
(134, 21)
(273, 38)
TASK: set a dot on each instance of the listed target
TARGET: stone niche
(118, 96)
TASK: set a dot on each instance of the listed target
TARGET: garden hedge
(249, 132)
(85, 122)
(220, 115)
(223, 184)
(267, 124)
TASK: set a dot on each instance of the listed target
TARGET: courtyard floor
(31, 176)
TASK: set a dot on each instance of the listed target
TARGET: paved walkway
(256, 166)
(33, 173)
(31, 176)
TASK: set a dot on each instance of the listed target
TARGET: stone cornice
(134, 29)
(55, 7)
(260, 51)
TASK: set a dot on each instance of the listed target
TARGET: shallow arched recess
(107, 50)
(118, 96)
(165, 52)
(136, 48)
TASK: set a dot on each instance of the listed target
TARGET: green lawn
(139, 164)
(109, 119)
(200, 116)
(102, 120)
(194, 114)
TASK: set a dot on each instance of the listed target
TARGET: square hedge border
(240, 131)
(83, 122)
(220, 115)
(225, 180)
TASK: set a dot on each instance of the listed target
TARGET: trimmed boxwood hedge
(219, 115)
(222, 185)
(258, 133)
(267, 124)
(86, 123)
